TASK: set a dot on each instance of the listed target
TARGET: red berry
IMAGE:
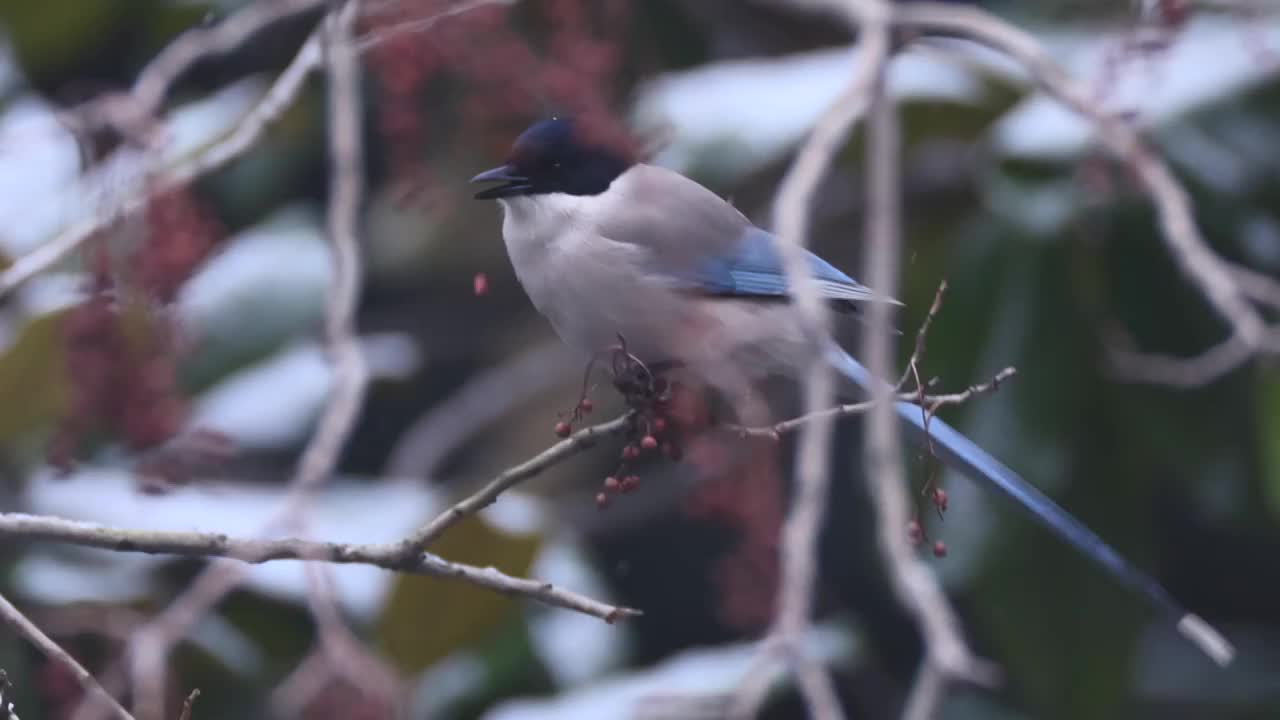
(940, 499)
(629, 483)
(630, 452)
(914, 532)
(659, 425)
(480, 284)
(649, 442)
(611, 484)
(602, 500)
(563, 429)
(586, 406)
(939, 549)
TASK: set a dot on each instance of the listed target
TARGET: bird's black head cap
(556, 156)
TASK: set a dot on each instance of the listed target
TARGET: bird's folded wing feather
(700, 243)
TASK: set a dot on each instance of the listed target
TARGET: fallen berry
(940, 499)
(914, 532)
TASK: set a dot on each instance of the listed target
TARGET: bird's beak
(513, 183)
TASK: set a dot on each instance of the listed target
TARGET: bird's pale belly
(647, 323)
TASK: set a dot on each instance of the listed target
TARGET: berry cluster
(741, 490)
(649, 433)
(653, 426)
(915, 530)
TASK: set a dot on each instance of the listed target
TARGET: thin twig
(200, 43)
(933, 402)
(14, 618)
(507, 479)
(929, 403)
(377, 37)
(246, 133)
(189, 703)
(261, 550)
(922, 337)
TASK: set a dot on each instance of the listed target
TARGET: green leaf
(33, 380)
(426, 618)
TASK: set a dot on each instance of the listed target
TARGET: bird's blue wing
(753, 268)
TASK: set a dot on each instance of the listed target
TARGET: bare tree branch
(14, 618)
(350, 374)
(200, 43)
(1181, 372)
(926, 692)
(246, 133)
(260, 550)
(346, 190)
(148, 650)
(488, 494)
(144, 101)
(347, 656)
(151, 643)
(799, 532)
(1206, 270)
(914, 583)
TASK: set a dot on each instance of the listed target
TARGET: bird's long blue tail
(962, 454)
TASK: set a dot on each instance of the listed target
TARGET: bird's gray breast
(591, 288)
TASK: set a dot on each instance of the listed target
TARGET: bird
(608, 247)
